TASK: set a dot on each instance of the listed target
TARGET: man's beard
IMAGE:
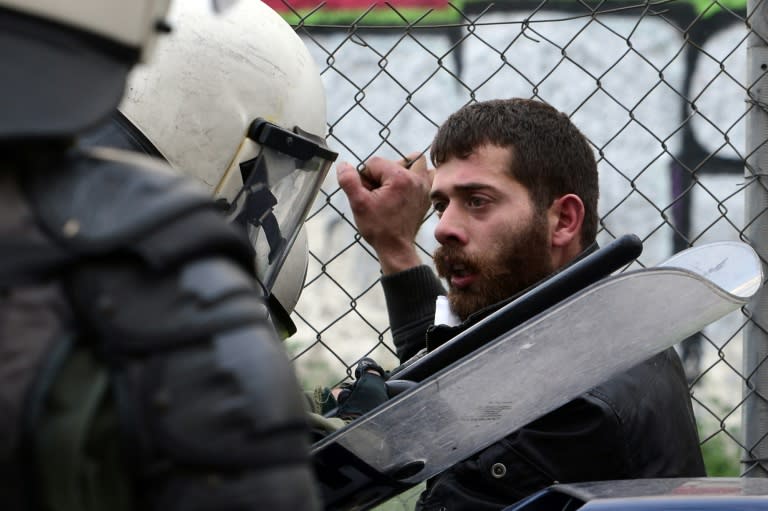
(509, 266)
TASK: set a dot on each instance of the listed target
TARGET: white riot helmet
(64, 63)
(236, 101)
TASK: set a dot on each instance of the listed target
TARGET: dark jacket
(135, 347)
(637, 424)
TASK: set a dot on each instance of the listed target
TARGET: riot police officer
(139, 366)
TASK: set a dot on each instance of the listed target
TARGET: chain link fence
(659, 88)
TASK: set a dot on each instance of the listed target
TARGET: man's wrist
(398, 260)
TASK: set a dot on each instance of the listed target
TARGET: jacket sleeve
(410, 297)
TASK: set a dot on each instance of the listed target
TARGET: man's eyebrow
(436, 194)
(463, 188)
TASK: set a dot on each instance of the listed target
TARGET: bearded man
(515, 187)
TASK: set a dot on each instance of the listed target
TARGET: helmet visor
(279, 187)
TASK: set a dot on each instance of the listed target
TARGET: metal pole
(755, 410)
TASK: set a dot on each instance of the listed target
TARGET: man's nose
(451, 228)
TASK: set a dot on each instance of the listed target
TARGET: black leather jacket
(639, 424)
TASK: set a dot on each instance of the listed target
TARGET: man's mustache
(445, 257)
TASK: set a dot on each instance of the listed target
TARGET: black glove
(366, 393)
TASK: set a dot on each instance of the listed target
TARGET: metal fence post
(755, 417)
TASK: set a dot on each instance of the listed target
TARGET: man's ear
(566, 216)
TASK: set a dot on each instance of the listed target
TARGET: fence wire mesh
(660, 90)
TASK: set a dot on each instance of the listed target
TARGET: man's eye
(476, 202)
(439, 207)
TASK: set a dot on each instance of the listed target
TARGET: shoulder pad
(102, 200)
(136, 311)
(105, 197)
